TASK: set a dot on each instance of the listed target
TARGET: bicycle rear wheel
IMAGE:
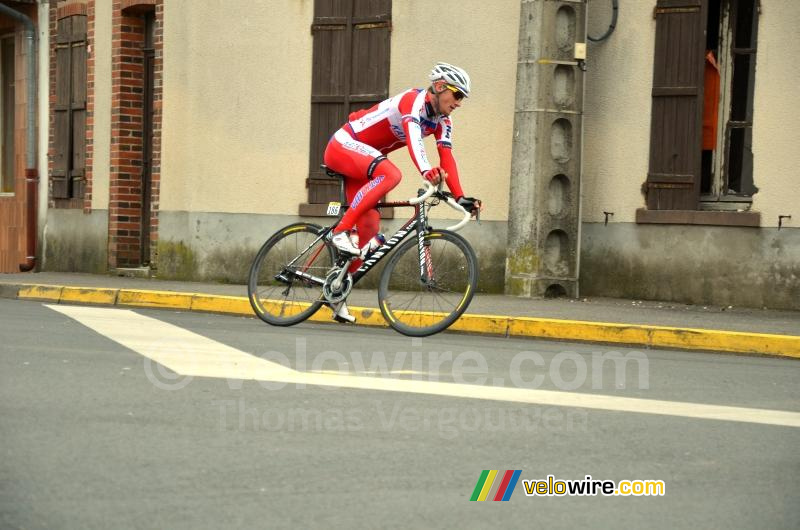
(285, 283)
(418, 304)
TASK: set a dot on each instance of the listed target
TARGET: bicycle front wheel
(420, 301)
(285, 283)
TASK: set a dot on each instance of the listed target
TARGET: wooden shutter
(350, 72)
(673, 180)
(69, 159)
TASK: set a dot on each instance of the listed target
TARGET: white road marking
(190, 354)
(180, 350)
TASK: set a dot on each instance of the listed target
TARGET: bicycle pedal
(350, 319)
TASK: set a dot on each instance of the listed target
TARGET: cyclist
(358, 151)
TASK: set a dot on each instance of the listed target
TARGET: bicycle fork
(424, 246)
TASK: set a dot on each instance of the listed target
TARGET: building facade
(176, 136)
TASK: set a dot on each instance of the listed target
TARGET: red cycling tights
(352, 159)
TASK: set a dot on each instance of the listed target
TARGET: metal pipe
(31, 172)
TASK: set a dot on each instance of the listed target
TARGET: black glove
(470, 204)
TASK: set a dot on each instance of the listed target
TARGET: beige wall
(617, 111)
(101, 49)
(237, 110)
(237, 88)
(480, 37)
(776, 135)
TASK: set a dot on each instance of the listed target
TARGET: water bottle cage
(372, 245)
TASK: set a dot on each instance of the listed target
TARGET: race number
(333, 208)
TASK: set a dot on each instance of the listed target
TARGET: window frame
(720, 197)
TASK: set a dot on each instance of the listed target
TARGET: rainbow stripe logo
(490, 487)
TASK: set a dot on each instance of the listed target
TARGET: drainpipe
(31, 173)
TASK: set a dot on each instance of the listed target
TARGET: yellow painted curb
(87, 295)
(231, 305)
(489, 324)
(731, 341)
(577, 330)
(571, 330)
(134, 297)
(657, 336)
(51, 293)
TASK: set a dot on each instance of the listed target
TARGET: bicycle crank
(337, 286)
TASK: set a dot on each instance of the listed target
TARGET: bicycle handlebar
(448, 199)
(451, 202)
(428, 192)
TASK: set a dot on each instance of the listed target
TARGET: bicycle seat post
(342, 195)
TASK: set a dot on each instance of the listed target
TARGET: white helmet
(452, 75)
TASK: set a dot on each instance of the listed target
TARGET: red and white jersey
(405, 119)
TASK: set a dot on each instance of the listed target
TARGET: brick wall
(87, 195)
(127, 141)
(51, 137)
(127, 102)
(157, 113)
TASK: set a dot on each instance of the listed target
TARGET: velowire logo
(494, 486)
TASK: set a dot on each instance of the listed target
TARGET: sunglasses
(459, 95)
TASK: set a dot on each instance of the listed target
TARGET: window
(7, 115)
(69, 159)
(350, 72)
(731, 37)
(701, 128)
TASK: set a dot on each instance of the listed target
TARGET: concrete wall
(222, 246)
(752, 267)
(75, 242)
(695, 264)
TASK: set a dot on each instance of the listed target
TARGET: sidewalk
(602, 320)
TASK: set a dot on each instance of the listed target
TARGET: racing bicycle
(426, 285)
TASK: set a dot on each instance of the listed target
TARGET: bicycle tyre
(289, 300)
(417, 309)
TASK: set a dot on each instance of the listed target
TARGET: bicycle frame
(418, 221)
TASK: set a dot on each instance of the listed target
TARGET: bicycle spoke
(292, 298)
(421, 308)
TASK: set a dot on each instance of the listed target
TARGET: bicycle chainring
(337, 295)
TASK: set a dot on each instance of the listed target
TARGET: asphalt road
(95, 435)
